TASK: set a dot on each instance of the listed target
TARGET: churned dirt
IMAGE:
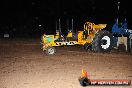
(24, 65)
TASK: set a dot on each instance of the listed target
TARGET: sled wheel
(50, 50)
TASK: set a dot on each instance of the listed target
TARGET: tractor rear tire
(102, 42)
(50, 50)
(129, 45)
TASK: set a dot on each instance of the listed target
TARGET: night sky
(22, 17)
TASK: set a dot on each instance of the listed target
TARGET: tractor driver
(85, 34)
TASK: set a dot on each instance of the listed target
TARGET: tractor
(92, 36)
(122, 35)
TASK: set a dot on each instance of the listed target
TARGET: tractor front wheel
(50, 50)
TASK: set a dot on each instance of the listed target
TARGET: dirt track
(24, 65)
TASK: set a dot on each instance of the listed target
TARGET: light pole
(118, 7)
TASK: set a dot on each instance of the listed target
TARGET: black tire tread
(96, 41)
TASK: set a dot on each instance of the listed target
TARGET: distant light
(6, 35)
(40, 25)
(33, 3)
